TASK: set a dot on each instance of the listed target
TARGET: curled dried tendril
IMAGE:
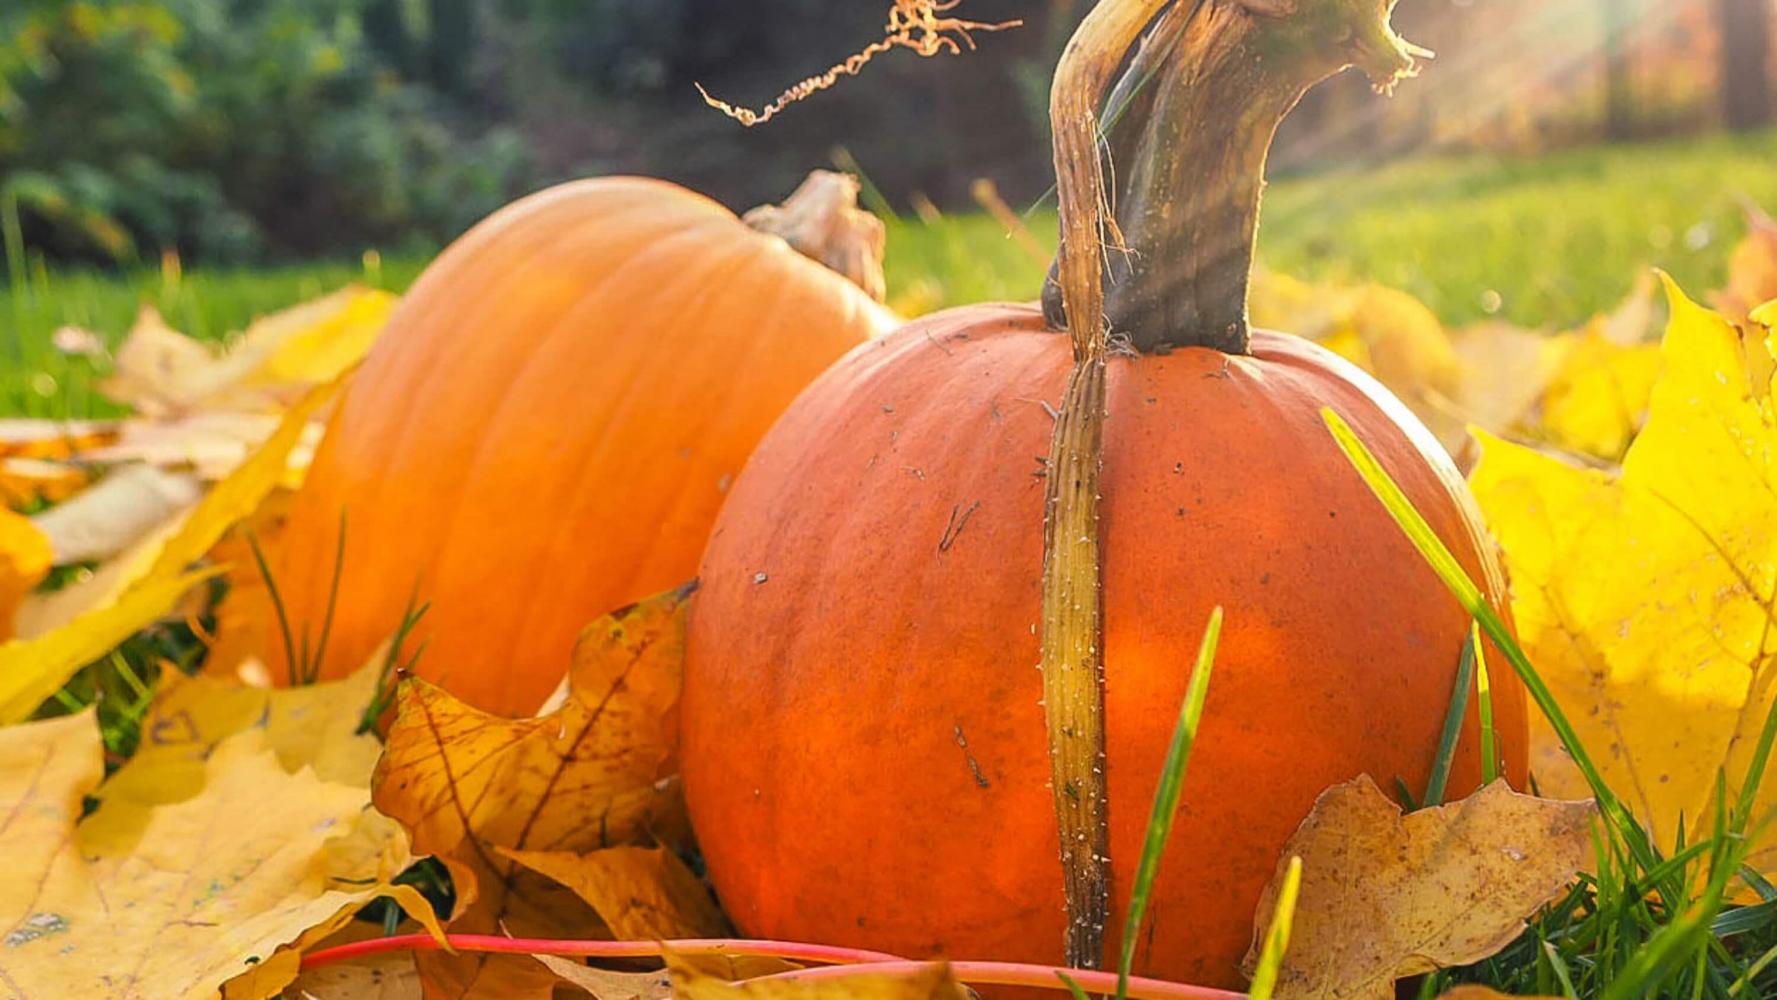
(919, 25)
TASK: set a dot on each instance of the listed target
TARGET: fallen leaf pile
(556, 826)
(132, 504)
(242, 828)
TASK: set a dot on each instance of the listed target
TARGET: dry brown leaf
(29, 482)
(208, 445)
(1505, 369)
(641, 893)
(163, 373)
(607, 985)
(385, 976)
(379, 977)
(54, 440)
(1752, 269)
(1435, 888)
(592, 775)
(932, 982)
(159, 370)
(1386, 332)
(169, 901)
(483, 977)
(117, 512)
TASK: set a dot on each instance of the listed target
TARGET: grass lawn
(1543, 241)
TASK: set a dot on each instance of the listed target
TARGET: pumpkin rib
(485, 465)
(417, 378)
(724, 284)
(757, 358)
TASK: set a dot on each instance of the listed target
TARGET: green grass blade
(313, 670)
(868, 192)
(1759, 884)
(1166, 797)
(1761, 964)
(1433, 551)
(1430, 546)
(1072, 986)
(277, 603)
(1277, 937)
(1558, 965)
(1484, 693)
(1440, 765)
(1745, 920)
(1755, 770)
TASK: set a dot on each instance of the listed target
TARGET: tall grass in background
(1542, 242)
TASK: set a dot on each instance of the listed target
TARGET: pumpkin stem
(1201, 101)
(821, 220)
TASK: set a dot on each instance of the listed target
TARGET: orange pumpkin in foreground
(864, 739)
(552, 419)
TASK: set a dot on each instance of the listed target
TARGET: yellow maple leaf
(1597, 398)
(1645, 598)
(317, 341)
(1435, 888)
(33, 670)
(1766, 315)
(171, 901)
(594, 774)
(314, 726)
(26, 555)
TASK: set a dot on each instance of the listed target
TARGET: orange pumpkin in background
(554, 415)
(864, 730)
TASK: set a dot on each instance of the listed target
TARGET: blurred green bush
(231, 130)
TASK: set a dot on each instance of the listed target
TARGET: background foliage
(244, 130)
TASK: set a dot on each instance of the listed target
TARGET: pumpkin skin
(548, 426)
(864, 746)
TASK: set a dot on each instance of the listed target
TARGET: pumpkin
(552, 418)
(864, 748)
